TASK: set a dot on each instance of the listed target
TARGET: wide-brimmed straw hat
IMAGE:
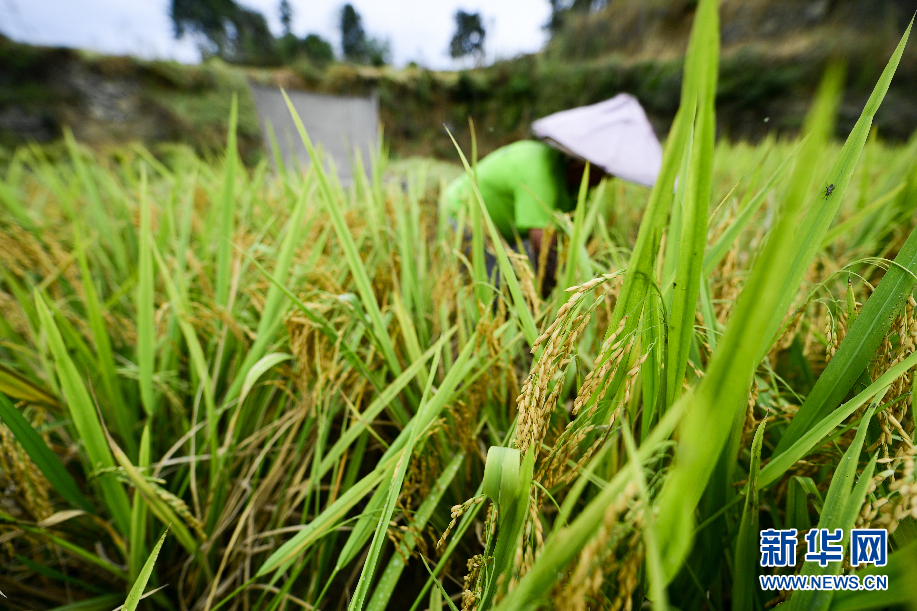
(613, 135)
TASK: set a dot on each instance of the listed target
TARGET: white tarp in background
(614, 135)
(339, 124)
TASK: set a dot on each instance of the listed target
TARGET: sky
(418, 30)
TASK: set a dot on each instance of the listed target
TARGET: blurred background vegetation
(774, 52)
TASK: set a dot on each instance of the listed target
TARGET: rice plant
(222, 388)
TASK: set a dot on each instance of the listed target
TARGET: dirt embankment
(109, 101)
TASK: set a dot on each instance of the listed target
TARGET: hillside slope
(108, 100)
(774, 52)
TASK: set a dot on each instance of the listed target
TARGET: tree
(469, 35)
(353, 37)
(252, 41)
(317, 49)
(378, 52)
(286, 16)
(208, 19)
(225, 29)
(557, 16)
(287, 45)
(313, 48)
(356, 46)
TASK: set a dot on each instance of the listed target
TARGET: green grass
(318, 397)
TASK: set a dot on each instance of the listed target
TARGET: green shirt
(515, 181)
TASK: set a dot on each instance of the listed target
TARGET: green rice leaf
(866, 332)
(322, 324)
(139, 512)
(16, 386)
(745, 580)
(266, 363)
(508, 275)
(701, 67)
(85, 418)
(821, 210)
(394, 490)
(96, 209)
(842, 504)
(136, 593)
(363, 529)
(43, 457)
(325, 521)
(272, 315)
(197, 358)
(724, 242)
(389, 578)
(564, 545)
(157, 504)
(723, 391)
(778, 465)
(351, 254)
(507, 481)
(901, 571)
(385, 398)
(118, 409)
(799, 492)
(146, 306)
(654, 570)
(577, 239)
(227, 211)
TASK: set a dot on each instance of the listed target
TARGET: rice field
(226, 388)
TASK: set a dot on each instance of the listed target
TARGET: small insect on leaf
(828, 190)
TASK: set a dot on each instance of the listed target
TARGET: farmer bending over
(523, 183)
